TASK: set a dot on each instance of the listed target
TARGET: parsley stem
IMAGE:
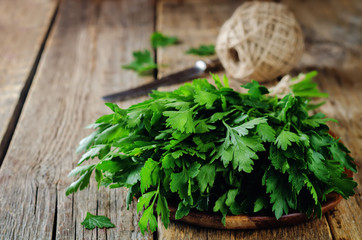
(295, 127)
(250, 110)
(157, 193)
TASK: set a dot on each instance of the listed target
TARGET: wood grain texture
(317, 229)
(81, 62)
(23, 27)
(333, 47)
(344, 104)
(194, 23)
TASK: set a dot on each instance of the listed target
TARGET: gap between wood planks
(54, 231)
(155, 72)
(5, 143)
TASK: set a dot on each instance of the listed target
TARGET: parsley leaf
(160, 40)
(148, 218)
(278, 160)
(306, 87)
(143, 63)
(94, 151)
(242, 130)
(266, 132)
(279, 193)
(149, 174)
(182, 210)
(221, 206)
(317, 166)
(202, 50)
(234, 144)
(285, 139)
(162, 209)
(255, 90)
(91, 221)
(205, 98)
(180, 120)
(340, 153)
(144, 200)
(179, 183)
(206, 177)
(85, 173)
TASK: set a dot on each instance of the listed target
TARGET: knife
(197, 70)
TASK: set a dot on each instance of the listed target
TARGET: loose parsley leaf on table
(91, 221)
(202, 50)
(160, 40)
(209, 148)
(143, 63)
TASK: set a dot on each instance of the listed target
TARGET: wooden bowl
(213, 220)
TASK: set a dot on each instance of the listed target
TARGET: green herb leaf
(221, 206)
(278, 159)
(94, 151)
(205, 98)
(259, 204)
(340, 153)
(266, 132)
(279, 194)
(202, 50)
(149, 174)
(182, 210)
(242, 130)
(148, 218)
(306, 87)
(255, 90)
(83, 181)
(143, 63)
(162, 209)
(285, 139)
(91, 221)
(234, 144)
(179, 183)
(144, 200)
(160, 40)
(180, 120)
(206, 177)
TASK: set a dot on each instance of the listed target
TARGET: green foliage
(307, 88)
(211, 148)
(91, 221)
(143, 63)
(202, 50)
(160, 40)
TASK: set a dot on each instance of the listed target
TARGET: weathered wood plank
(345, 100)
(81, 62)
(317, 229)
(23, 27)
(194, 23)
(333, 47)
(325, 48)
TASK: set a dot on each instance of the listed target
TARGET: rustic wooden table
(57, 58)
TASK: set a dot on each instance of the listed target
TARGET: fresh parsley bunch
(213, 149)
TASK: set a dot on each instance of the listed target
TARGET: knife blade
(197, 70)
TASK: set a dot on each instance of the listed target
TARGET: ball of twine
(261, 41)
